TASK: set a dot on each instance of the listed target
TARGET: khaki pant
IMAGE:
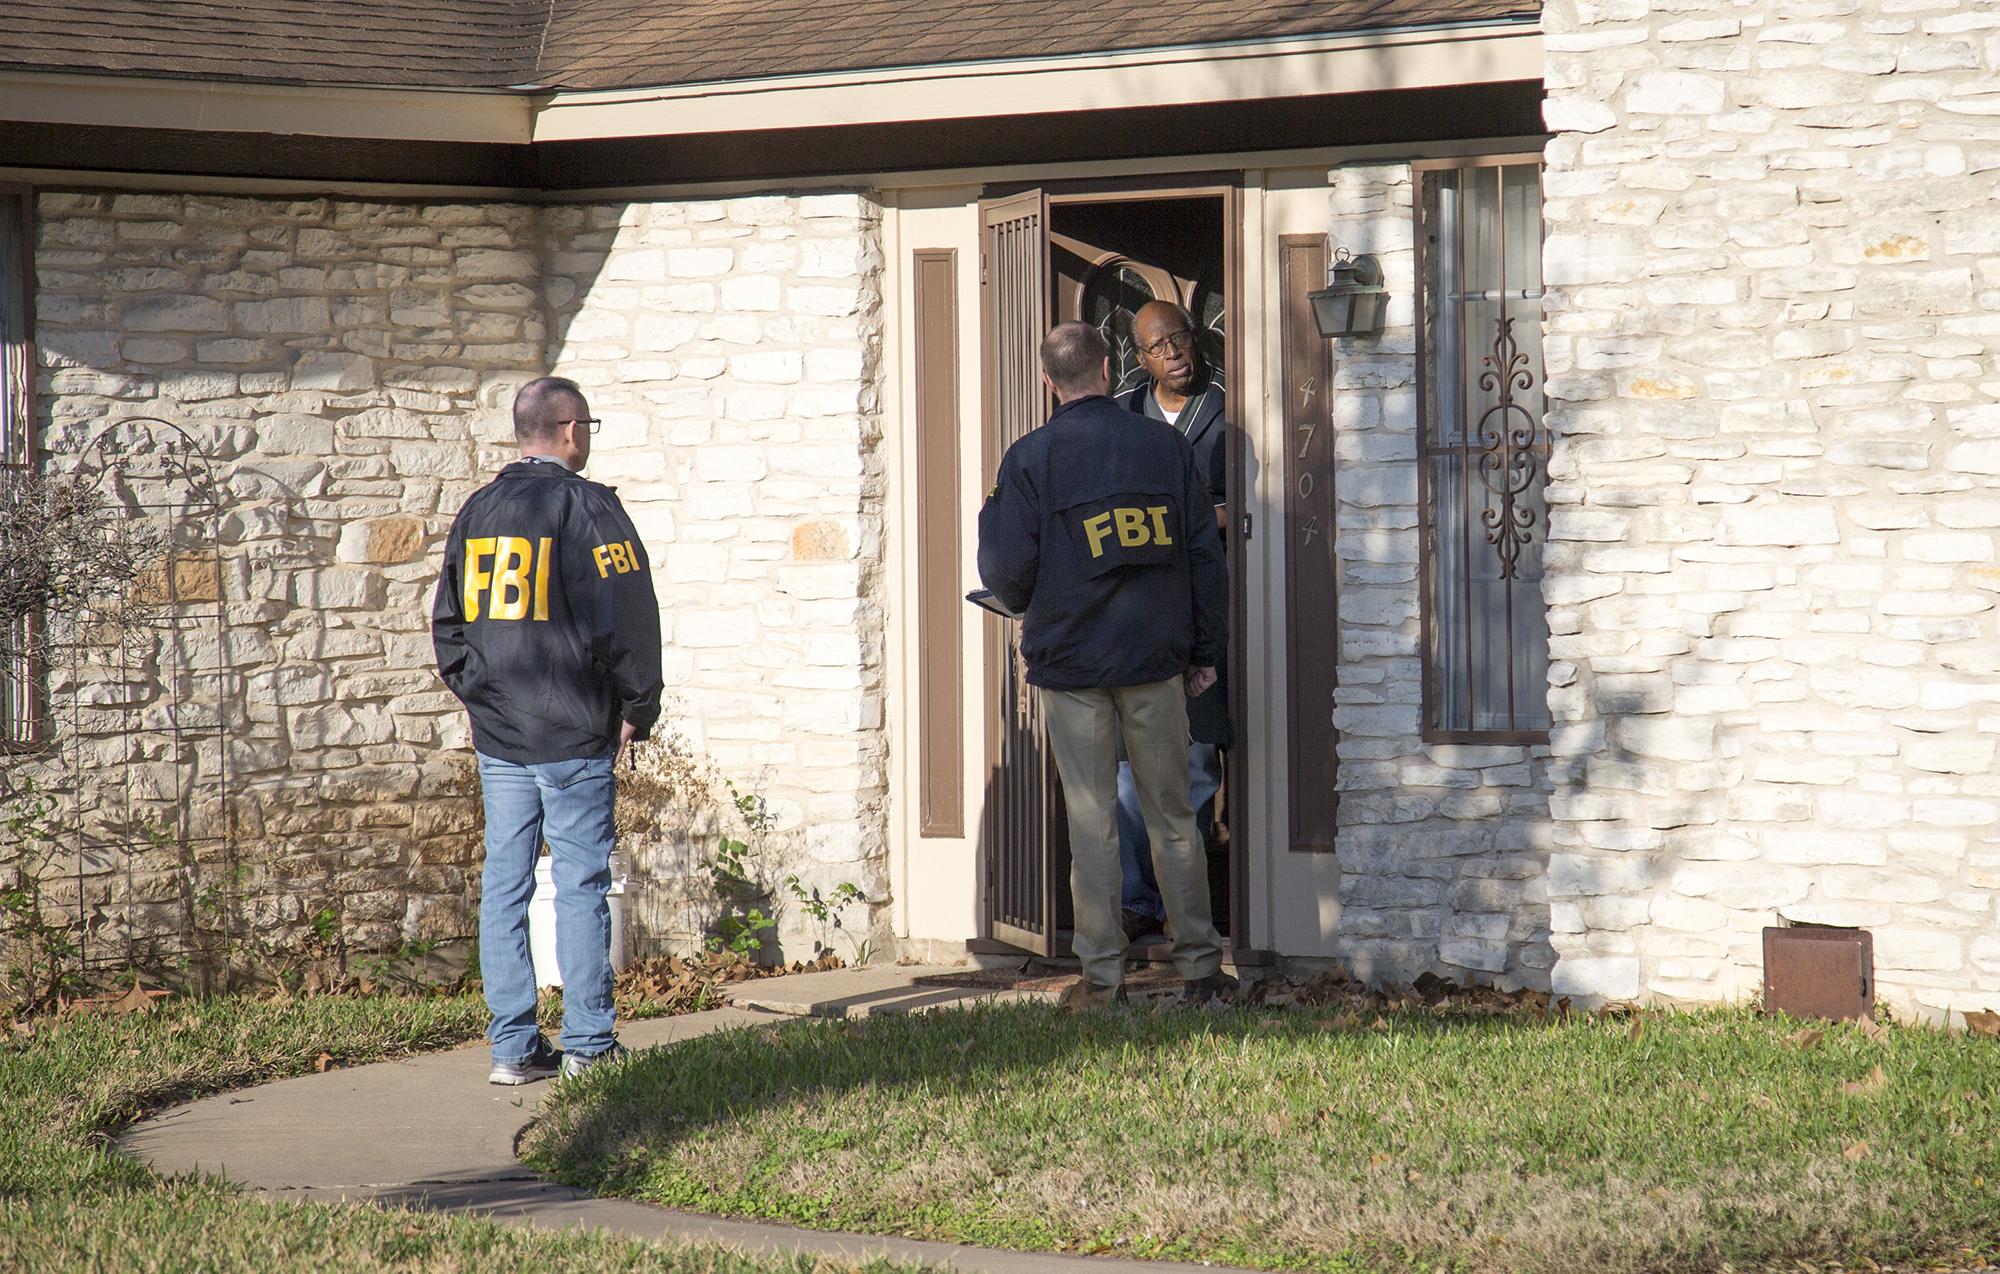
(1084, 729)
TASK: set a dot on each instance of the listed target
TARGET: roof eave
(1239, 70)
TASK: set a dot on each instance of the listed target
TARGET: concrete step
(857, 993)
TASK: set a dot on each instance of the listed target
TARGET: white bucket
(542, 920)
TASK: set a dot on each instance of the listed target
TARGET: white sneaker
(574, 1064)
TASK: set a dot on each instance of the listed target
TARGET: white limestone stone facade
(733, 348)
(348, 365)
(1773, 262)
(1443, 848)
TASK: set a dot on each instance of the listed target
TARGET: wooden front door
(1025, 842)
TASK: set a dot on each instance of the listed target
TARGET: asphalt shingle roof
(617, 43)
(497, 44)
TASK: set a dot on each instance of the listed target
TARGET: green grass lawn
(68, 1201)
(1293, 1141)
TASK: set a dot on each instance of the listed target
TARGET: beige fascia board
(1249, 71)
(282, 109)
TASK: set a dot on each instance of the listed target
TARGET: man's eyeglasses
(592, 421)
(1178, 342)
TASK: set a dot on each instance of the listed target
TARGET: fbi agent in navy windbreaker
(547, 630)
(1100, 532)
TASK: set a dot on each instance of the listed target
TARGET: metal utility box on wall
(1815, 971)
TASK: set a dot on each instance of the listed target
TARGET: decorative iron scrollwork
(1509, 459)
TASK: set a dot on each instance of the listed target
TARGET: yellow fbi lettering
(1133, 527)
(507, 573)
(620, 557)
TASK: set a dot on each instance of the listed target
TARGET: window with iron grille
(19, 715)
(1483, 449)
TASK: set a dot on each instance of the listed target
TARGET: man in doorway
(1099, 532)
(1182, 391)
(547, 630)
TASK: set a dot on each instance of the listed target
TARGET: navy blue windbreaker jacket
(1100, 531)
(545, 622)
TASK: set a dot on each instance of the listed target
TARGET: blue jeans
(1141, 891)
(568, 804)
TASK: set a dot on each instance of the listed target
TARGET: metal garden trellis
(169, 692)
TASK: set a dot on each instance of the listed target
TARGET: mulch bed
(1333, 989)
(666, 986)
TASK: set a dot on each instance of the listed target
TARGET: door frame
(1227, 185)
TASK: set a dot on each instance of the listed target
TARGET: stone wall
(1443, 847)
(334, 361)
(733, 349)
(347, 367)
(1774, 270)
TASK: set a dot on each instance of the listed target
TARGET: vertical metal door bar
(1500, 241)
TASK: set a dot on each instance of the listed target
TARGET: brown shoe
(1136, 924)
(1216, 986)
(1083, 995)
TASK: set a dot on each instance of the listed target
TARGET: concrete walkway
(430, 1132)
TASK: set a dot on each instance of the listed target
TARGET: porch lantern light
(1352, 302)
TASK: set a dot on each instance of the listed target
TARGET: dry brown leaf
(1807, 1038)
(137, 1000)
(1857, 1087)
(1871, 1029)
(1981, 1022)
(1378, 1160)
(1856, 1152)
(1378, 1025)
(1638, 1029)
(324, 1063)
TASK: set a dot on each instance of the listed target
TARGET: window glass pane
(16, 672)
(1443, 385)
(13, 371)
(1486, 628)
(1447, 617)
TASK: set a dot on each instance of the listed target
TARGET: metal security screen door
(1483, 450)
(1023, 825)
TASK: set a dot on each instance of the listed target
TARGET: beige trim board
(1249, 71)
(214, 106)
